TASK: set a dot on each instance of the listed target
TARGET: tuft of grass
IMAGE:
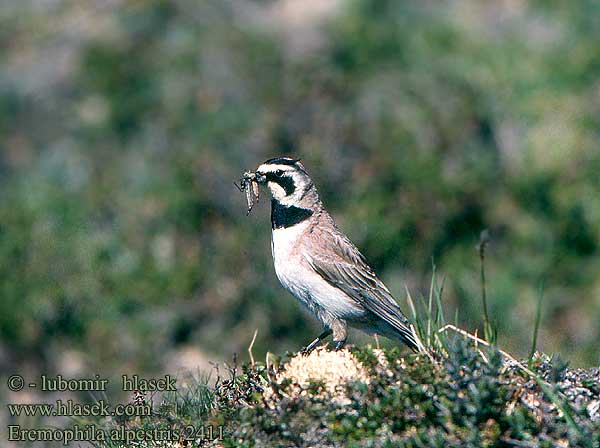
(538, 318)
(431, 327)
(490, 333)
(428, 316)
(173, 420)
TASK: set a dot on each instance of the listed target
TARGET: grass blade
(538, 318)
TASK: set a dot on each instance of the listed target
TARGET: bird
(319, 265)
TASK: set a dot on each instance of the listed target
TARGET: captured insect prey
(249, 184)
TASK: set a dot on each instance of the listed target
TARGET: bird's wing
(343, 266)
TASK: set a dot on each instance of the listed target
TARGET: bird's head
(286, 178)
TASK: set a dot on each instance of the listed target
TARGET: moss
(467, 400)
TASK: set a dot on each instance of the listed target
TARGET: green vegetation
(460, 392)
(468, 398)
(462, 402)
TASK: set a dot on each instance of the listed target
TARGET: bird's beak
(261, 178)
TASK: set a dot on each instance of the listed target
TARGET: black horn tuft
(281, 161)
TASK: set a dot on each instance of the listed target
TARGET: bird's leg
(340, 333)
(339, 344)
(310, 347)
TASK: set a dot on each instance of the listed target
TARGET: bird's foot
(307, 349)
(339, 344)
(310, 347)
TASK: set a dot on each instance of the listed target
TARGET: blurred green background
(123, 123)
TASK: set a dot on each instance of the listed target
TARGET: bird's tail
(405, 332)
(410, 338)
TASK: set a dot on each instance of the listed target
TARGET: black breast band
(284, 216)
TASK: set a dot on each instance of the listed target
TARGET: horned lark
(319, 265)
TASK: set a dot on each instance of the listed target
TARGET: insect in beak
(249, 185)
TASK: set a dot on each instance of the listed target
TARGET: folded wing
(344, 267)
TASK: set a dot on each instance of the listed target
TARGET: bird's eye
(279, 173)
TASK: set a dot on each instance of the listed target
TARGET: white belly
(310, 288)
